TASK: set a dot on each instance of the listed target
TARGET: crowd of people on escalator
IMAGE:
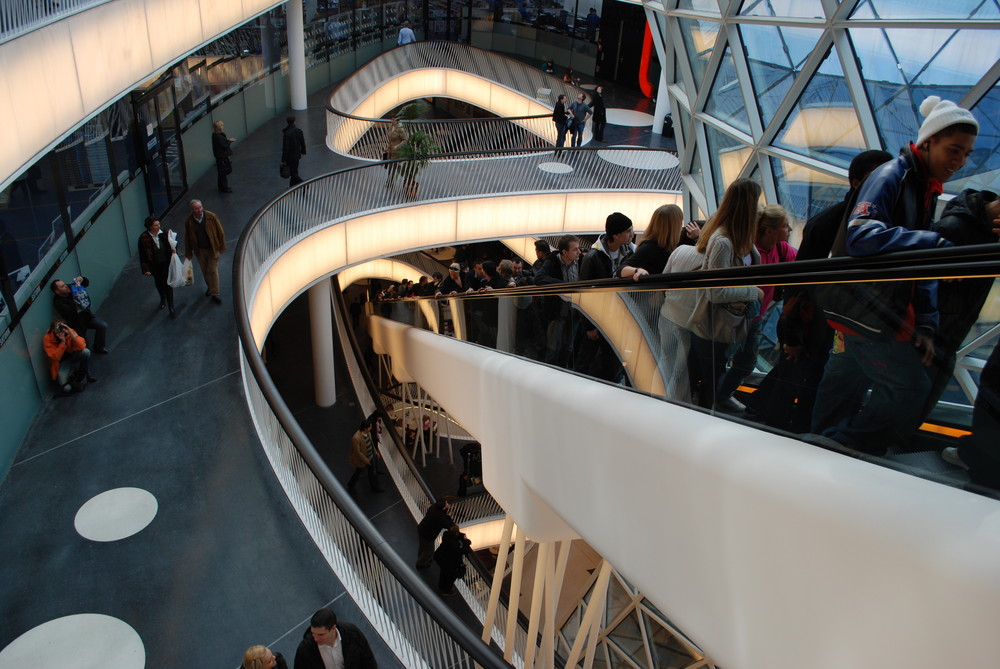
(855, 366)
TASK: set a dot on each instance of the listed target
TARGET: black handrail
(450, 623)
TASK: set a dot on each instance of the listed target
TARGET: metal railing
(19, 17)
(366, 137)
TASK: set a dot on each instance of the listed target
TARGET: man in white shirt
(329, 645)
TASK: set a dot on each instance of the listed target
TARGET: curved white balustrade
(508, 88)
(768, 553)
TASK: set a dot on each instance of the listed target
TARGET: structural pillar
(321, 329)
(662, 103)
(296, 55)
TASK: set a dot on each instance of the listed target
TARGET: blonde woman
(772, 244)
(261, 657)
(726, 241)
(659, 238)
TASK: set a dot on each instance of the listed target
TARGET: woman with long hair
(659, 238)
(772, 244)
(726, 241)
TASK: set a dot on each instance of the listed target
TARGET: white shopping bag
(175, 274)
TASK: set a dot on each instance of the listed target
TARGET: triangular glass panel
(618, 600)
(667, 650)
(617, 658)
(627, 637)
(700, 5)
(726, 100)
(804, 192)
(678, 78)
(945, 63)
(926, 9)
(823, 124)
(700, 36)
(775, 55)
(813, 9)
(728, 156)
(572, 626)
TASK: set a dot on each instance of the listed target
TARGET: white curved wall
(59, 75)
(769, 553)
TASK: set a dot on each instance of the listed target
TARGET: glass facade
(46, 208)
(808, 84)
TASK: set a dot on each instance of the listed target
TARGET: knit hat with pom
(941, 114)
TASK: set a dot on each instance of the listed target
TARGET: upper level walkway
(78, 65)
(224, 563)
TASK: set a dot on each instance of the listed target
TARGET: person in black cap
(609, 250)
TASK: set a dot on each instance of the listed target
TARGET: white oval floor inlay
(640, 160)
(555, 168)
(82, 641)
(115, 514)
(629, 117)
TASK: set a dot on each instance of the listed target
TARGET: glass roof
(830, 80)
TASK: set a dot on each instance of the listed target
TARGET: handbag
(725, 323)
(224, 165)
(285, 171)
(722, 322)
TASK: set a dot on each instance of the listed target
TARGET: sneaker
(730, 405)
(950, 455)
(822, 440)
(217, 299)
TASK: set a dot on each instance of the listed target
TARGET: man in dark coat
(325, 638)
(435, 520)
(72, 302)
(293, 147)
(821, 230)
(600, 119)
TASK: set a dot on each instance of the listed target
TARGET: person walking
(223, 152)
(450, 557)
(155, 253)
(205, 239)
(560, 118)
(293, 147)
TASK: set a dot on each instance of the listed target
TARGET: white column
(321, 329)
(296, 54)
(662, 103)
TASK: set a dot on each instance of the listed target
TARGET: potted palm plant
(416, 152)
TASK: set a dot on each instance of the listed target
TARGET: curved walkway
(224, 563)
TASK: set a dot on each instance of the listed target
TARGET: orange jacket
(56, 349)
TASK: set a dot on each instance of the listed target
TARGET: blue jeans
(899, 387)
(560, 135)
(743, 362)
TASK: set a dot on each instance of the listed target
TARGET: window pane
(775, 55)
(805, 192)
(726, 101)
(925, 9)
(823, 123)
(699, 40)
(805, 9)
(728, 156)
(929, 62)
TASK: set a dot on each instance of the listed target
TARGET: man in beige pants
(205, 238)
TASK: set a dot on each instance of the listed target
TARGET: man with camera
(69, 357)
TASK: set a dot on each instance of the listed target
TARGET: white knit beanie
(940, 115)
